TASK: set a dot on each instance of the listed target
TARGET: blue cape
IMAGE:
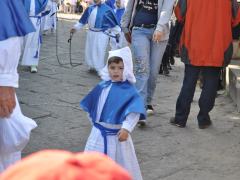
(119, 13)
(122, 99)
(110, 3)
(40, 5)
(105, 19)
(14, 20)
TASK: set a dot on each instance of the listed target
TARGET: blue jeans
(207, 97)
(148, 57)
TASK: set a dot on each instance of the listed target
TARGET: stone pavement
(51, 97)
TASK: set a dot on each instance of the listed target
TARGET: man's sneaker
(173, 122)
(165, 70)
(142, 122)
(33, 69)
(149, 110)
(91, 70)
(206, 125)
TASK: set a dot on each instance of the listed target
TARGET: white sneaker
(33, 69)
(142, 122)
(149, 110)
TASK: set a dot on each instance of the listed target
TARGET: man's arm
(165, 15)
(126, 18)
(235, 13)
(163, 21)
(180, 10)
(8, 74)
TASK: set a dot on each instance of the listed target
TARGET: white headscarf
(126, 55)
(123, 3)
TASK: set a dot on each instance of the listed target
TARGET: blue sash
(106, 132)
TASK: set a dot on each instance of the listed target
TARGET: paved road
(51, 97)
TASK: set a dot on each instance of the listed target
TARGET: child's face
(97, 1)
(116, 71)
(118, 3)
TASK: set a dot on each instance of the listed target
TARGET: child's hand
(123, 135)
(73, 30)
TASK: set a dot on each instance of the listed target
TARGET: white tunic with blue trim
(121, 152)
(99, 18)
(49, 21)
(32, 41)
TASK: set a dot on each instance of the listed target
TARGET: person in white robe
(15, 128)
(32, 42)
(114, 107)
(102, 24)
(49, 22)
(119, 8)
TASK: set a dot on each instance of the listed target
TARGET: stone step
(233, 82)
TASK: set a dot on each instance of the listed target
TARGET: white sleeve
(165, 15)
(115, 30)
(130, 122)
(78, 26)
(10, 51)
(48, 7)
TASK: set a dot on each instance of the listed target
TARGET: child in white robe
(33, 41)
(114, 107)
(102, 22)
(119, 9)
(49, 22)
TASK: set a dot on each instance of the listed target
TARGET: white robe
(121, 152)
(14, 130)
(32, 41)
(49, 21)
(122, 42)
(96, 43)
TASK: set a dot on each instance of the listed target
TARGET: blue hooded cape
(119, 13)
(122, 99)
(110, 3)
(40, 5)
(105, 17)
(14, 20)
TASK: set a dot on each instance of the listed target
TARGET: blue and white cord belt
(116, 36)
(105, 132)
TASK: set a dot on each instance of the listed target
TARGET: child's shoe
(149, 110)
(142, 123)
(33, 69)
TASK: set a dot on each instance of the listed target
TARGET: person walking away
(206, 47)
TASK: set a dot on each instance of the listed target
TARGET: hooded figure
(114, 108)
(126, 55)
(205, 47)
